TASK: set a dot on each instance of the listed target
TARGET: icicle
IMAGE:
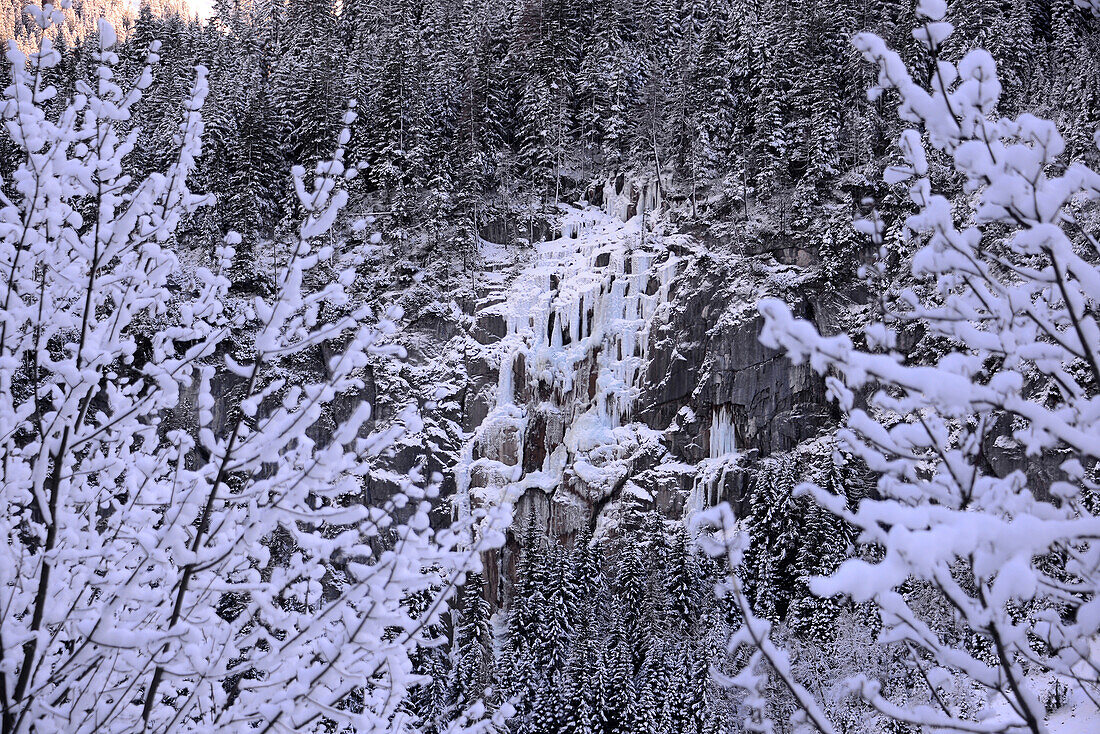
(579, 327)
(722, 439)
(505, 388)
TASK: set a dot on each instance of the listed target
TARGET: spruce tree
(309, 97)
(473, 646)
(615, 707)
(680, 573)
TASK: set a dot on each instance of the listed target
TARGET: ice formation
(570, 363)
(722, 440)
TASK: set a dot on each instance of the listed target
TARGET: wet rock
(534, 443)
(521, 389)
(479, 476)
(481, 384)
(439, 327)
(500, 443)
(497, 231)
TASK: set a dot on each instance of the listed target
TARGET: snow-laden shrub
(177, 555)
(1016, 292)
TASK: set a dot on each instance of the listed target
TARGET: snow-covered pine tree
(516, 666)
(773, 525)
(556, 629)
(759, 568)
(822, 545)
(632, 603)
(428, 702)
(659, 41)
(581, 694)
(680, 574)
(308, 96)
(607, 87)
(588, 578)
(156, 114)
(472, 663)
(480, 116)
(707, 96)
(615, 707)
(243, 165)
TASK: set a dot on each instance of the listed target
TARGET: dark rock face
(505, 231)
(775, 404)
(700, 361)
(479, 391)
(490, 327)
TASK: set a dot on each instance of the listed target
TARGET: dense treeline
(613, 637)
(749, 109)
(600, 637)
(624, 633)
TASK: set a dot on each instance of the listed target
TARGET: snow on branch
(185, 549)
(1015, 292)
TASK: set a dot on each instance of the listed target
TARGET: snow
(940, 515)
(1074, 720)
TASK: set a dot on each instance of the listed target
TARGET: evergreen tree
(308, 95)
(680, 573)
(580, 694)
(631, 601)
(607, 87)
(615, 708)
(473, 646)
(428, 701)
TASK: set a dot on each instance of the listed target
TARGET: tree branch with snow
(183, 547)
(1015, 291)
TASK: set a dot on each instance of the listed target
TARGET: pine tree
(679, 574)
(659, 41)
(541, 66)
(606, 87)
(698, 685)
(631, 601)
(650, 686)
(776, 45)
(428, 701)
(481, 115)
(615, 707)
(157, 115)
(676, 709)
(556, 626)
(519, 671)
(708, 95)
(308, 96)
(581, 692)
(588, 577)
(473, 646)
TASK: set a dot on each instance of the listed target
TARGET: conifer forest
(550, 366)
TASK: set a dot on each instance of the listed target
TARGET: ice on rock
(579, 312)
(722, 457)
(505, 387)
